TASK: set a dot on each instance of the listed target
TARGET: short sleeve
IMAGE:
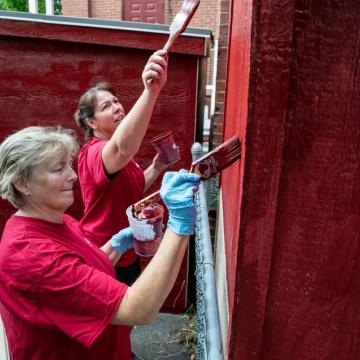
(93, 163)
(78, 299)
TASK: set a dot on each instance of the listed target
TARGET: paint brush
(181, 21)
(206, 167)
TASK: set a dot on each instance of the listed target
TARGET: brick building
(207, 15)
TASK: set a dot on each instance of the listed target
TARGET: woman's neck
(100, 135)
(50, 216)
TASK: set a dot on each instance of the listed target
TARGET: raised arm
(144, 298)
(127, 138)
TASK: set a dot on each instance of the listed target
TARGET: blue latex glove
(123, 240)
(177, 191)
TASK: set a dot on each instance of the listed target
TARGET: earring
(27, 193)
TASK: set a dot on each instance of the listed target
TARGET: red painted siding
(292, 238)
(44, 68)
(188, 45)
(232, 180)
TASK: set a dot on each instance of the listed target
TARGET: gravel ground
(163, 339)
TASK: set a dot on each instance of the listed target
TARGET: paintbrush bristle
(218, 159)
(183, 17)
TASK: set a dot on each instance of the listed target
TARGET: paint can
(166, 147)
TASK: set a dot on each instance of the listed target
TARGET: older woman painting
(59, 298)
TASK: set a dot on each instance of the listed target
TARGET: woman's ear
(21, 187)
(91, 122)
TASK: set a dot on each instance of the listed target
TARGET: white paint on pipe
(49, 6)
(4, 348)
(33, 6)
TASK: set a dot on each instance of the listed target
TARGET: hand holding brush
(180, 22)
(206, 167)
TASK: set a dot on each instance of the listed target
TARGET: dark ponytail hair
(87, 105)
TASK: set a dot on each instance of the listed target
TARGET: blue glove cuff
(181, 228)
(122, 241)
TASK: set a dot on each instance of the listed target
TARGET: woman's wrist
(151, 93)
(158, 168)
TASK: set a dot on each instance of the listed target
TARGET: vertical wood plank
(292, 207)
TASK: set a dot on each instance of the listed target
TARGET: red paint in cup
(166, 147)
(147, 229)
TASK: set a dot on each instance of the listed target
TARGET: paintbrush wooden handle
(195, 170)
(170, 42)
(154, 197)
(140, 205)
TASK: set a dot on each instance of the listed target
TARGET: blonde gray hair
(23, 150)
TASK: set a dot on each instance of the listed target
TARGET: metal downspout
(209, 345)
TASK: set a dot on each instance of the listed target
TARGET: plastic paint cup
(165, 146)
(147, 229)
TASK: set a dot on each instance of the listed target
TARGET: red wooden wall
(45, 67)
(292, 238)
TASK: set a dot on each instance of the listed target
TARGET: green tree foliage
(22, 5)
(14, 5)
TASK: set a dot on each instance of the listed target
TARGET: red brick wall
(221, 72)
(75, 8)
(106, 9)
(103, 9)
(207, 15)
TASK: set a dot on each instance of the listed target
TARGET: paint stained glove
(177, 191)
(123, 240)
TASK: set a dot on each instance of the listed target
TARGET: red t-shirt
(107, 198)
(58, 293)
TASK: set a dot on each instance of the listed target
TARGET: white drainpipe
(49, 5)
(214, 76)
(4, 349)
(34, 6)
